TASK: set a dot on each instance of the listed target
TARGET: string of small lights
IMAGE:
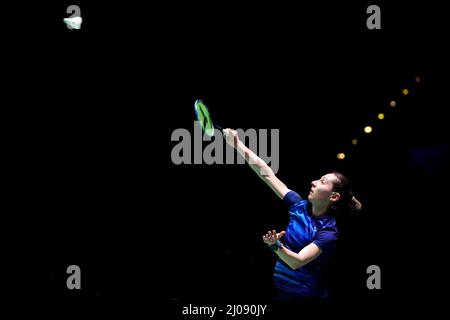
(368, 129)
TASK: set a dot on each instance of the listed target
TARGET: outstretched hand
(271, 237)
(231, 137)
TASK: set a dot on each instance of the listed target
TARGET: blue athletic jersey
(304, 228)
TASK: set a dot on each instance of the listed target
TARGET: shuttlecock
(74, 23)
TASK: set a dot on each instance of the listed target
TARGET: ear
(335, 196)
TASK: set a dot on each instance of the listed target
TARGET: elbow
(268, 177)
(296, 265)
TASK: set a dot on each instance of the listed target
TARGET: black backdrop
(93, 183)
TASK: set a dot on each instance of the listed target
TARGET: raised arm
(256, 163)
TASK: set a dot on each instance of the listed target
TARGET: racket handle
(218, 127)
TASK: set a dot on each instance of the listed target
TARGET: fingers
(229, 132)
(271, 237)
(281, 234)
(231, 137)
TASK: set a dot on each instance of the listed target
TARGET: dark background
(93, 183)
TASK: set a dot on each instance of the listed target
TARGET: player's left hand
(271, 237)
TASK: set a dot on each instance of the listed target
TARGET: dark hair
(347, 203)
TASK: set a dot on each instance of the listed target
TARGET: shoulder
(327, 233)
(292, 199)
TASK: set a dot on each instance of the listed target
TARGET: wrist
(276, 246)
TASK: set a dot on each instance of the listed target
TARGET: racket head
(204, 117)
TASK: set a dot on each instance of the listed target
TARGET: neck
(319, 210)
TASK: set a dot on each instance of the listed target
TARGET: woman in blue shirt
(310, 238)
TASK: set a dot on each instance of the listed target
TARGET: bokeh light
(368, 129)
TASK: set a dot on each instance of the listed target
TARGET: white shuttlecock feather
(74, 22)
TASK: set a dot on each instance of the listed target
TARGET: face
(322, 189)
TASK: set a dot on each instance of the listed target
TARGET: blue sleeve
(291, 198)
(326, 238)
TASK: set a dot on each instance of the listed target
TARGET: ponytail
(355, 205)
(347, 203)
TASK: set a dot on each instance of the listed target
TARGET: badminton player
(308, 243)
